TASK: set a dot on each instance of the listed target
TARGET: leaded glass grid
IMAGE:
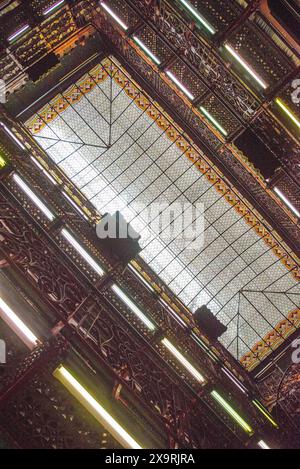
(100, 133)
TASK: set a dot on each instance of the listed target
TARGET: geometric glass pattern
(121, 150)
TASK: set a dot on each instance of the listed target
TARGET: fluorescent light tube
(96, 409)
(234, 380)
(53, 7)
(213, 120)
(198, 16)
(18, 33)
(265, 412)
(174, 314)
(263, 445)
(180, 85)
(78, 209)
(148, 51)
(26, 189)
(12, 135)
(204, 347)
(246, 66)
(37, 163)
(20, 328)
(84, 254)
(288, 112)
(183, 360)
(2, 162)
(232, 412)
(286, 201)
(133, 307)
(114, 16)
(142, 279)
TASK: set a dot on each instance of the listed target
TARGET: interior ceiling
(120, 150)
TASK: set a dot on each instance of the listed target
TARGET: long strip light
(17, 325)
(117, 290)
(263, 445)
(265, 412)
(25, 188)
(232, 412)
(18, 33)
(200, 18)
(287, 202)
(95, 408)
(38, 164)
(246, 66)
(141, 278)
(213, 120)
(147, 50)
(227, 372)
(114, 16)
(78, 209)
(86, 256)
(204, 347)
(53, 7)
(2, 162)
(183, 360)
(180, 85)
(288, 112)
(234, 380)
(12, 135)
(174, 314)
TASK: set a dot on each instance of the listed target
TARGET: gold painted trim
(273, 339)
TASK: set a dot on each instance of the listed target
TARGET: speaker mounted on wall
(43, 66)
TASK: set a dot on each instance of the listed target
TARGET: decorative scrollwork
(281, 393)
(199, 57)
(25, 248)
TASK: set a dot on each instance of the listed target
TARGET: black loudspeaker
(208, 323)
(257, 152)
(118, 238)
(41, 67)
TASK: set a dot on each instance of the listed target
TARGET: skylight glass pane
(134, 162)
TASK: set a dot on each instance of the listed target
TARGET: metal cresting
(182, 222)
(296, 353)
(2, 351)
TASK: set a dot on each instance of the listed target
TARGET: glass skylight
(133, 162)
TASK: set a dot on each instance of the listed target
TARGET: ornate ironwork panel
(268, 61)
(219, 13)
(281, 393)
(26, 248)
(138, 368)
(200, 58)
(43, 415)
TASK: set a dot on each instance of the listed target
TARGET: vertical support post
(41, 356)
(251, 8)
